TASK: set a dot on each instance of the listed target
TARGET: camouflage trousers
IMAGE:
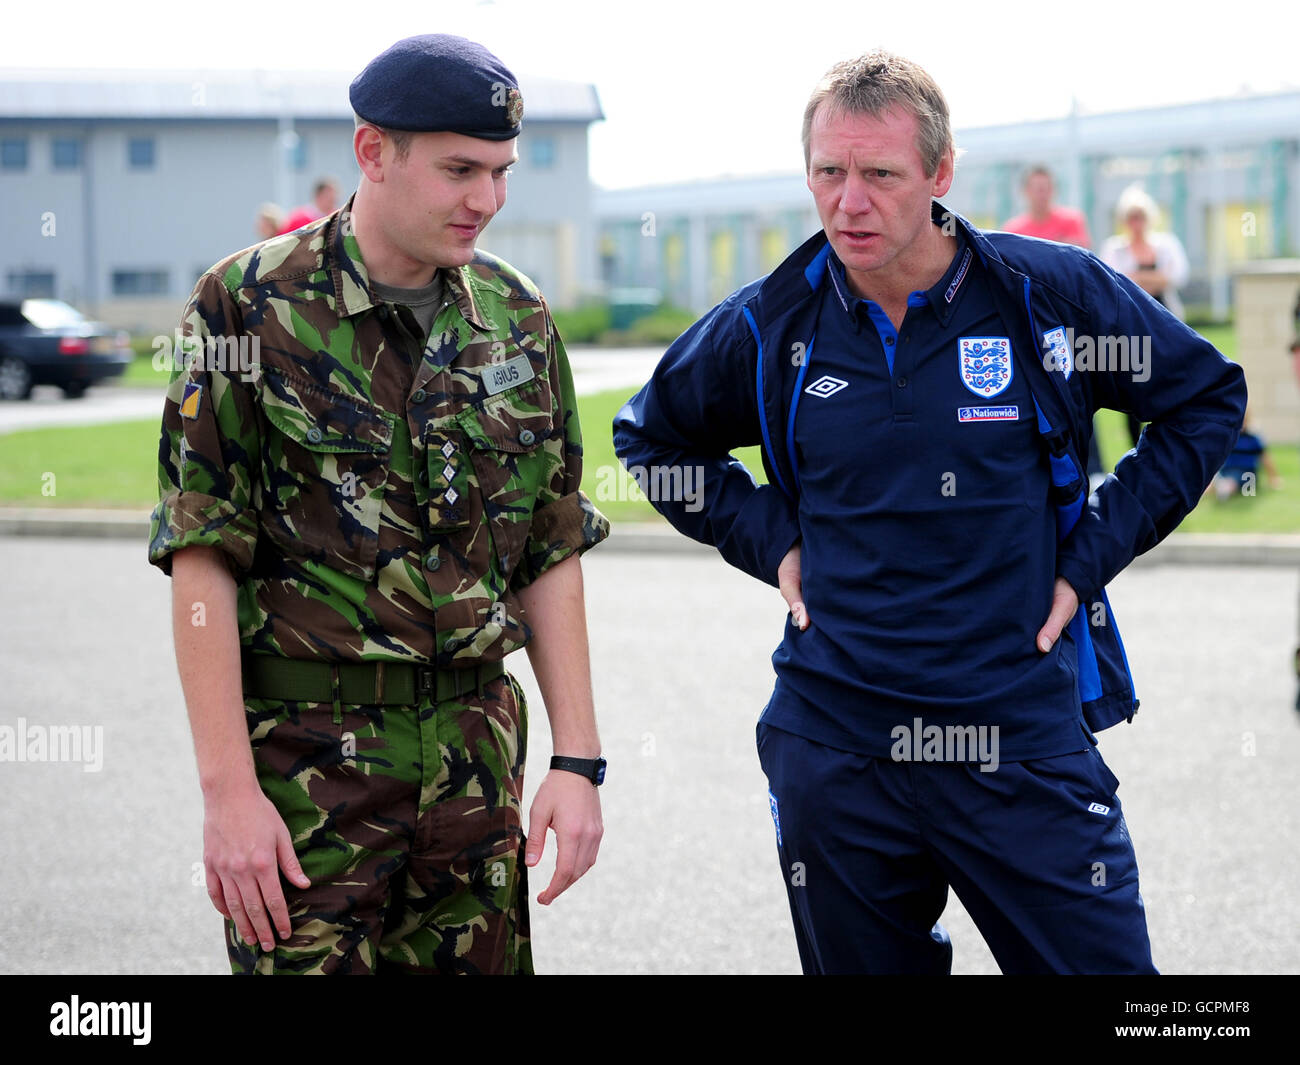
(407, 820)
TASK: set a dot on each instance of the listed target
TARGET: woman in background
(1153, 260)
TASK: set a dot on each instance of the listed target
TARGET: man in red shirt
(324, 199)
(1062, 224)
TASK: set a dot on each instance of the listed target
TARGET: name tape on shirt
(988, 414)
(502, 375)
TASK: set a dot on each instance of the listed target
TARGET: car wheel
(74, 389)
(15, 378)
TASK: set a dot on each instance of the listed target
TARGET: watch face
(600, 771)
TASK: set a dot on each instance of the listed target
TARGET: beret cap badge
(514, 107)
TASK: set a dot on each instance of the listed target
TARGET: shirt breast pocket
(513, 452)
(998, 463)
(325, 461)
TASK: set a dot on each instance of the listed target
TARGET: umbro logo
(826, 386)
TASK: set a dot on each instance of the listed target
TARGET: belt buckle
(426, 681)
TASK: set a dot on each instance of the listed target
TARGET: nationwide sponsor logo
(826, 386)
(985, 364)
(951, 294)
(987, 414)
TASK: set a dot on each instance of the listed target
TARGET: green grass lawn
(81, 466)
(140, 373)
(603, 477)
(1268, 511)
(115, 465)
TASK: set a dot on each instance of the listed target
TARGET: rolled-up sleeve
(565, 521)
(208, 452)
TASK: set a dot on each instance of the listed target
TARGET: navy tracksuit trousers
(869, 847)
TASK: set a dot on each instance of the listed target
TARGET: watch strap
(591, 768)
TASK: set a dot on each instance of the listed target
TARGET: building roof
(1211, 125)
(224, 94)
(1208, 123)
(717, 195)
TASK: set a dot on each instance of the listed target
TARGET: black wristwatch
(591, 768)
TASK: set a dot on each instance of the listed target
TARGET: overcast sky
(693, 88)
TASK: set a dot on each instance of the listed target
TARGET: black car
(47, 342)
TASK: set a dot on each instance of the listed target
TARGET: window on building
(31, 284)
(541, 153)
(772, 247)
(66, 153)
(13, 153)
(140, 283)
(140, 153)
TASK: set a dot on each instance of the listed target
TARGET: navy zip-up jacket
(735, 377)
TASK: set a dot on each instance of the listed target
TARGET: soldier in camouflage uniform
(361, 524)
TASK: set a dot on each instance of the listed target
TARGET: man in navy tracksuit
(923, 393)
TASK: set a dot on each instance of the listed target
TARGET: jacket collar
(801, 274)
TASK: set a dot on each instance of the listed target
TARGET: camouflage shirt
(372, 504)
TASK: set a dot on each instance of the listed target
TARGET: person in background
(270, 220)
(324, 200)
(1240, 471)
(1154, 260)
(1065, 225)
(1044, 219)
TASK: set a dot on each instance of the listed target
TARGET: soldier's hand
(1064, 603)
(569, 805)
(789, 577)
(245, 844)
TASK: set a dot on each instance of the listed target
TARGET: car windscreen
(51, 314)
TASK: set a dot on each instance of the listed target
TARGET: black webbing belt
(359, 683)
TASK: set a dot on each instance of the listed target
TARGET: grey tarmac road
(99, 867)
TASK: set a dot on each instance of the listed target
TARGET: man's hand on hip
(569, 805)
(1064, 603)
(245, 845)
(789, 578)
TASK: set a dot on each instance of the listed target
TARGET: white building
(118, 189)
(1225, 172)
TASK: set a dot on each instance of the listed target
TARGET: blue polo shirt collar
(942, 296)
